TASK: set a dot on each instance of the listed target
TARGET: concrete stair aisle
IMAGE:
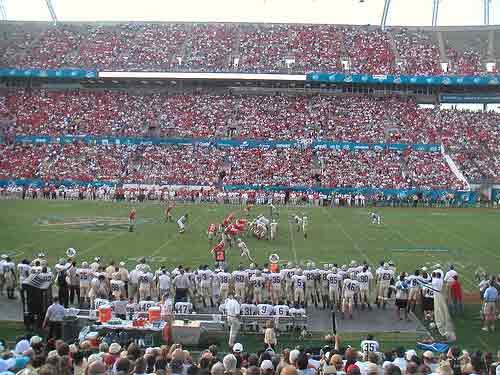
(443, 56)
(490, 55)
(394, 49)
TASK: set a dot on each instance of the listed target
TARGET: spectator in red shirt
(456, 300)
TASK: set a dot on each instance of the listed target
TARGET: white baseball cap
(266, 365)
(237, 348)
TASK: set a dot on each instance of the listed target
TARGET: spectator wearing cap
(237, 351)
(96, 368)
(113, 354)
(53, 318)
(490, 300)
(267, 367)
(428, 358)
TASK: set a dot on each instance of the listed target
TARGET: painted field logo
(97, 224)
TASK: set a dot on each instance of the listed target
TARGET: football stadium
(273, 188)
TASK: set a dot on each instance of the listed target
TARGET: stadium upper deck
(218, 47)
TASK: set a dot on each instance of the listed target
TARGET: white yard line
(167, 242)
(291, 238)
(350, 238)
(100, 243)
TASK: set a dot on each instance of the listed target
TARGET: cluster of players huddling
(266, 291)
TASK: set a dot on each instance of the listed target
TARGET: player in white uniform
(244, 252)
(183, 308)
(298, 222)
(85, 275)
(274, 230)
(131, 308)
(240, 279)
(369, 345)
(163, 282)
(334, 287)
(9, 274)
(287, 274)
(305, 225)
(251, 271)
(145, 305)
(299, 285)
(117, 286)
(375, 218)
(414, 282)
(323, 285)
(384, 277)
(349, 289)
(99, 302)
(276, 281)
(224, 279)
(248, 309)
(145, 285)
(181, 223)
(364, 278)
(296, 311)
(24, 270)
(258, 283)
(206, 277)
(310, 290)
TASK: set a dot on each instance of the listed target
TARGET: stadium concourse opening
(258, 186)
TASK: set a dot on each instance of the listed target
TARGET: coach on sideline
(490, 300)
(181, 284)
(54, 317)
(233, 318)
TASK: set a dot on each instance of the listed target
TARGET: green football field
(467, 238)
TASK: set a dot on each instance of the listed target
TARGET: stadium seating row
(197, 165)
(470, 137)
(239, 47)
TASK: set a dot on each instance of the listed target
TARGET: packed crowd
(209, 166)
(232, 47)
(33, 355)
(470, 137)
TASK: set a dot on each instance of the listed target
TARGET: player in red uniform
(212, 228)
(131, 220)
(219, 254)
(229, 233)
(228, 219)
(240, 224)
(168, 213)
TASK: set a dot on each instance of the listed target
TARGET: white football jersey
(144, 306)
(248, 309)
(265, 309)
(369, 346)
(183, 307)
(281, 310)
(240, 277)
(299, 281)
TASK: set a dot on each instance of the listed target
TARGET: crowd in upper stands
(199, 165)
(470, 137)
(234, 47)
